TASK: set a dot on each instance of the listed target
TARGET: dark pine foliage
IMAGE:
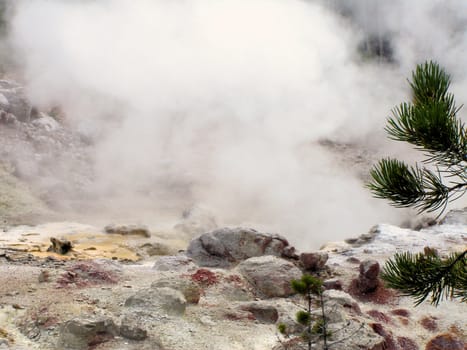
(430, 123)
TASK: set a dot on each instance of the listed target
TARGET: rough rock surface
(80, 333)
(270, 275)
(263, 312)
(190, 290)
(314, 261)
(158, 300)
(132, 327)
(368, 278)
(227, 247)
(332, 283)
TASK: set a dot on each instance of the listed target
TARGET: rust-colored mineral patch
(446, 341)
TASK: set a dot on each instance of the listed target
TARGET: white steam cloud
(220, 103)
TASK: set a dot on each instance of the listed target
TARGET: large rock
(190, 290)
(13, 100)
(368, 278)
(227, 247)
(132, 328)
(166, 300)
(81, 333)
(314, 261)
(262, 312)
(341, 300)
(270, 275)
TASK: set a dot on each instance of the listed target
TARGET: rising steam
(222, 103)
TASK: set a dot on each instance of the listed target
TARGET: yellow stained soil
(85, 246)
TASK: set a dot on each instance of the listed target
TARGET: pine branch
(433, 129)
(430, 122)
(408, 186)
(420, 275)
(394, 180)
(429, 83)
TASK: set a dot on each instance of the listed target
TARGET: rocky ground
(127, 287)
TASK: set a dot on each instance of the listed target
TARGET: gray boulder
(270, 275)
(80, 333)
(227, 247)
(262, 312)
(132, 328)
(190, 290)
(158, 300)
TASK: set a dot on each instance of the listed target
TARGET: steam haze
(222, 104)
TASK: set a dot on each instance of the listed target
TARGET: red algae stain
(389, 343)
(205, 277)
(446, 341)
(454, 329)
(381, 295)
(83, 274)
(429, 323)
(234, 279)
(232, 316)
(401, 312)
(403, 320)
(407, 344)
(379, 316)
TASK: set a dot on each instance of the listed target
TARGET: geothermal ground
(134, 290)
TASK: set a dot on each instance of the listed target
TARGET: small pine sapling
(310, 287)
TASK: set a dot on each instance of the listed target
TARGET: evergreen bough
(430, 123)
